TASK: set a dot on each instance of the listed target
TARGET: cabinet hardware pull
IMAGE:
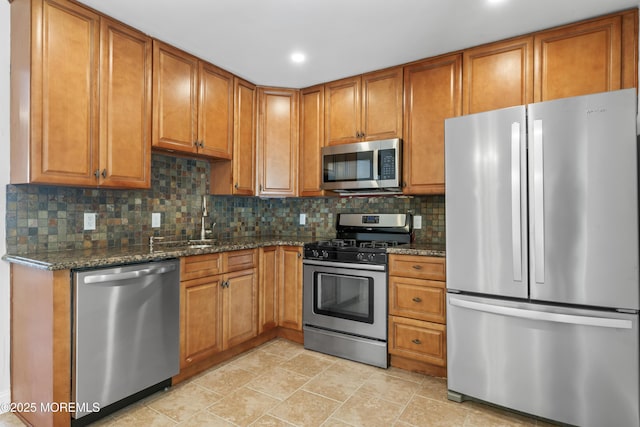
(417, 267)
(236, 185)
(104, 173)
(417, 299)
(97, 173)
(416, 341)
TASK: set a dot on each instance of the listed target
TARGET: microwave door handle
(376, 164)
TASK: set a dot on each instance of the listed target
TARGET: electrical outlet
(156, 219)
(303, 219)
(89, 221)
(417, 221)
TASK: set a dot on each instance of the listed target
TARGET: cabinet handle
(97, 173)
(236, 185)
(201, 144)
(260, 186)
(104, 173)
(417, 267)
(189, 360)
(299, 255)
(417, 299)
(416, 341)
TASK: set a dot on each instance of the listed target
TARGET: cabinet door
(200, 328)
(277, 142)
(498, 75)
(578, 59)
(382, 105)
(240, 322)
(175, 96)
(268, 283)
(291, 294)
(342, 111)
(432, 93)
(64, 93)
(244, 138)
(311, 141)
(125, 107)
(215, 112)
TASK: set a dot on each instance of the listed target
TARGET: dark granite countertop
(103, 257)
(422, 249)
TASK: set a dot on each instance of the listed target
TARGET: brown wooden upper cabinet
(580, 59)
(193, 104)
(237, 176)
(364, 108)
(498, 75)
(311, 141)
(277, 151)
(432, 93)
(88, 115)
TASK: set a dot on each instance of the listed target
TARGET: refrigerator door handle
(538, 194)
(603, 322)
(516, 215)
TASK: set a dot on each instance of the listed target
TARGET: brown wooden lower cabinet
(417, 313)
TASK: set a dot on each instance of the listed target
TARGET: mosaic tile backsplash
(49, 218)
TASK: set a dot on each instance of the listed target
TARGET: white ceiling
(255, 38)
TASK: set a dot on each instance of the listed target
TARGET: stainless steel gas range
(345, 288)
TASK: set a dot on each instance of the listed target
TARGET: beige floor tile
(283, 348)
(270, 421)
(143, 417)
(183, 401)
(337, 384)
(305, 409)
(332, 422)
(395, 390)
(278, 383)
(433, 388)
(243, 406)
(432, 413)
(414, 377)
(9, 419)
(225, 380)
(306, 364)
(362, 410)
(205, 419)
(259, 361)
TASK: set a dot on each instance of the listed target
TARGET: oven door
(347, 298)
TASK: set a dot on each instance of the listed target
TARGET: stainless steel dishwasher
(125, 334)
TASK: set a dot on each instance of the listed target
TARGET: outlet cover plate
(89, 221)
(303, 219)
(417, 221)
(156, 220)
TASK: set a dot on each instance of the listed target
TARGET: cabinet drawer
(421, 267)
(196, 266)
(239, 260)
(418, 340)
(417, 298)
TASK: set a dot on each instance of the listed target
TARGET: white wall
(4, 180)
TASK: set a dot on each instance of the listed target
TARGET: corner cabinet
(237, 176)
(277, 142)
(432, 93)
(193, 104)
(94, 131)
(311, 141)
(218, 303)
(364, 108)
(417, 313)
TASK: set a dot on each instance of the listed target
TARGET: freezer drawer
(570, 365)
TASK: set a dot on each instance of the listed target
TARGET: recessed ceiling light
(298, 57)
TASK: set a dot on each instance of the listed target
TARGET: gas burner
(338, 243)
(378, 244)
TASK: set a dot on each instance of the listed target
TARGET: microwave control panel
(387, 164)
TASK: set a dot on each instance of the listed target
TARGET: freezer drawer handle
(109, 278)
(543, 315)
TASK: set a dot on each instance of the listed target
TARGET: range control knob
(325, 254)
(371, 257)
(315, 253)
(360, 256)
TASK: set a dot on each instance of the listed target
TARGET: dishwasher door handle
(107, 279)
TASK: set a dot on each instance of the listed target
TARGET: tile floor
(282, 384)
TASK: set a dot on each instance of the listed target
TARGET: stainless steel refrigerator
(542, 259)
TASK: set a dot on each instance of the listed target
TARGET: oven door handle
(351, 265)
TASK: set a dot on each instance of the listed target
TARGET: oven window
(343, 296)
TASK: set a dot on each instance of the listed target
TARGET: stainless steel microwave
(371, 167)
